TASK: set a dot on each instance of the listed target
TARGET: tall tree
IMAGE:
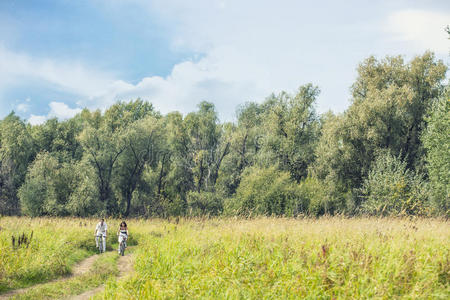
(206, 145)
(292, 129)
(244, 143)
(142, 142)
(390, 99)
(16, 152)
(437, 143)
(102, 149)
(47, 187)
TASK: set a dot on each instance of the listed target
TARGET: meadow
(232, 258)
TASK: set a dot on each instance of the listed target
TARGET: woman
(123, 233)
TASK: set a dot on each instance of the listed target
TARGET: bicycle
(101, 243)
(123, 244)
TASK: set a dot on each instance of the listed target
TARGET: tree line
(387, 154)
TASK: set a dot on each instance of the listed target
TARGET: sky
(57, 57)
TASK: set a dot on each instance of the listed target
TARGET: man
(100, 231)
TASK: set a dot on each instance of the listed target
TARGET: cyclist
(122, 234)
(100, 231)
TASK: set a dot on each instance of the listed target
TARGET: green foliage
(437, 143)
(131, 160)
(102, 148)
(313, 197)
(390, 98)
(244, 145)
(291, 129)
(16, 152)
(85, 199)
(143, 140)
(392, 189)
(265, 191)
(204, 203)
(47, 187)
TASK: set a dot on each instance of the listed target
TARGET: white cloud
(187, 85)
(70, 76)
(37, 120)
(247, 49)
(247, 54)
(422, 29)
(58, 110)
(22, 107)
(62, 111)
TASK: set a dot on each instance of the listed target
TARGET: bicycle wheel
(122, 248)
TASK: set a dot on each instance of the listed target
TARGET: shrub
(392, 189)
(312, 195)
(265, 191)
(204, 203)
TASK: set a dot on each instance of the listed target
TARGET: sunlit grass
(103, 269)
(267, 258)
(285, 258)
(57, 244)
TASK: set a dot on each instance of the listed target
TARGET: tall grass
(103, 269)
(268, 258)
(56, 246)
(286, 258)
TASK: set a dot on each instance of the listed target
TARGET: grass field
(327, 258)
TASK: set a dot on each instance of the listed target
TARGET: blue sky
(59, 56)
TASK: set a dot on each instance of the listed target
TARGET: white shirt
(101, 228)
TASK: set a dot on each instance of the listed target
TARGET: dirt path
(84, 266)
(79, 269)
(125, 266)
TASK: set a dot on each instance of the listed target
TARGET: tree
(16, 152)
(142, 142)
(59, 137)
(122, 114)
(436, 139)
(244, 144)
(292, 130)
(206, 146)
(47, 187)
(390, 99)
(85, 197)
(102, 149)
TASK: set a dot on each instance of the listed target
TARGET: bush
(313, 196)
(392, 189)
(204, 203)
(320, 197)
(265, 191)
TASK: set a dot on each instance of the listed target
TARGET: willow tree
(390, 99)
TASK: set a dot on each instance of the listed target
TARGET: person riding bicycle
(100, 231)
(122, 234)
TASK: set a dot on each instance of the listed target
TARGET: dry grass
(326, 258)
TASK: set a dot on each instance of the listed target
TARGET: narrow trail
(125, 266)
(80, 268)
